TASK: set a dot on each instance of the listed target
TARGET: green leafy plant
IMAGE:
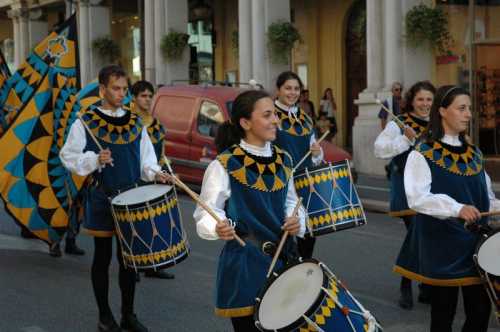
(173, 44)
(106, 48)
(281, 37)
(428, 25)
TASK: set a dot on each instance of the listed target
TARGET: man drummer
(143, 92)
(127, 156)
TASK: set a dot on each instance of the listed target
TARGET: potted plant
(173, 44)
(281, 37)
(428, 25)
(106, 48)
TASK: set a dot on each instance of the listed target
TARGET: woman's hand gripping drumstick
(291, 226)
(104, 154)
(224, 230)
(315, 149)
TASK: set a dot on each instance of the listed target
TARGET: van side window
(209, 119)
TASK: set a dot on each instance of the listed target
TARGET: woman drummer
(296, 134)
(396, 142)
(250, 186)
(444, 180)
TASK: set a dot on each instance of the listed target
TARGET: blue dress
(398, 203)
(259, 188)
(439, 252)
(122, 136)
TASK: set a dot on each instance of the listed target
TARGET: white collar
(286, 108)
(453, 140)
(116, 114)
(261, 151)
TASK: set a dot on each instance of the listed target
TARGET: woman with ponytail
(446, 184)
(249, 186)
(296, 134)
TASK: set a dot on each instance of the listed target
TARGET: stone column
(417, 63)
(258, 51)
(245, 40)
(19, 16)
(392, 42)
(149, 42)
(93, 22)
(367, 125)
(374, 40)
(16, 36)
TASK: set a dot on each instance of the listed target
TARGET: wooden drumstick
(99, 146)
(309, 152)
(197, 199)
(491, 213)
(394, 117)
(283, 240)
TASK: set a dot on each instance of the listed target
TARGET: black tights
(244, 324)
(100, 277)
(477, 308)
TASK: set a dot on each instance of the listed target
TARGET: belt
(269, 247)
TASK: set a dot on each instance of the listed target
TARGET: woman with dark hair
(444, 180)
(396, 143)
(328, 105)
(296, 134)
(249, 186)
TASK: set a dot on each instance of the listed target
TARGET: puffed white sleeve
(494, 202)
(417, 180)
(291, 201)
(72, 156)
(319, 158)
(391, 142)
(215, 190)
(149, 163)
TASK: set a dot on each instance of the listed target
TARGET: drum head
(290, 296)
(141, 194)
(489, 253)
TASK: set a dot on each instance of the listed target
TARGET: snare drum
(330, 197)
(488, 264)
(307, 296)
(149, 227)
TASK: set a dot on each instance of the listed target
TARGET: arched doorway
(355, 49)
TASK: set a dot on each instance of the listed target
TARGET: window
(209, 119)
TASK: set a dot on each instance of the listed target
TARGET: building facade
(354, 47)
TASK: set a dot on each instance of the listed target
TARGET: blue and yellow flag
(4, 72)
(36, 188)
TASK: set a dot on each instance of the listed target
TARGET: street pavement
(45, 294)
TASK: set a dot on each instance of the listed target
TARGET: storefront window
(475, 28)
(202, 55)
(126, 31)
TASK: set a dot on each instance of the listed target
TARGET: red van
(191, 115)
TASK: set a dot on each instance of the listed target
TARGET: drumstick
(491, 213)
(282, 242)
(395, 118)
(309, 152)
(91, 134)
(197, 199)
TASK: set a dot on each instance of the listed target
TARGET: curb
(374, 205)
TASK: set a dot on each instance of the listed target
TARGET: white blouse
(418, 179)
(84, 163)
(292, 112)
(216, 190)
(391, 142)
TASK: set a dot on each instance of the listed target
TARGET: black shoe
(158, 274)
(72, 249)
(55, 250)
(406, 298)
(130, 323)
(108, 324)
(424, 295)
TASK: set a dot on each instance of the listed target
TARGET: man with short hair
(127, 157)
(393, 103)
(143, 92)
